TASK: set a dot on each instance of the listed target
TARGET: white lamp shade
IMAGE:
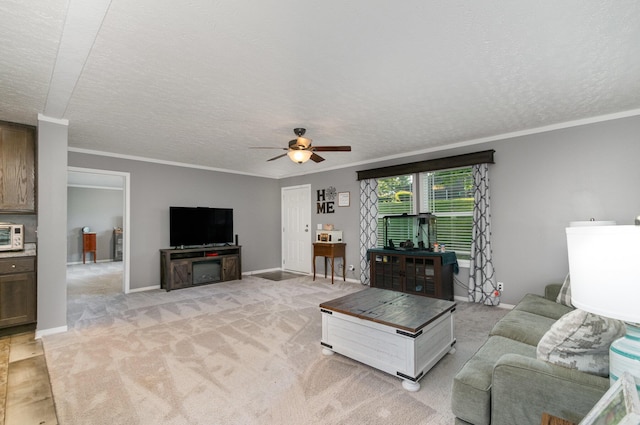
(592, 223)
(299, 155)
(604, 264)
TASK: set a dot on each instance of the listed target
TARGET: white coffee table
(398, 333)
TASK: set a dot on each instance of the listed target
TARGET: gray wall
(156, 187)
(539, 184)
(52, 215)
(346, 219)
(99, 209)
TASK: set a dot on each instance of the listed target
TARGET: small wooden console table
(329, 250)
(88, 246)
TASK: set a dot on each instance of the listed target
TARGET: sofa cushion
(523, 388)
(542, 306)
(523, 326)
(471, 393)
(564, 296)
(552, 290)
(581, 340)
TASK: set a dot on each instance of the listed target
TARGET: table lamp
(604, 264)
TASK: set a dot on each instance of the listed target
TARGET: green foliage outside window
(448, 194)
(395, 196)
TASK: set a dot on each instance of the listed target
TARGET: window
(448, 194)
(395, 196)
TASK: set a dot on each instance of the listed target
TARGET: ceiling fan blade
(266, 147)
(316, 158)
(276, 157)
(332, 148)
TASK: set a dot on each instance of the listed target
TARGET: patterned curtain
(368, 224)
(482, 282)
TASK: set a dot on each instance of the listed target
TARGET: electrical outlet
(500, 286)
(351, 268)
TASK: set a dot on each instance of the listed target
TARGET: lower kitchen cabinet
(17, 291)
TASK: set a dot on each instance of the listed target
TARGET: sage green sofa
(504, 384)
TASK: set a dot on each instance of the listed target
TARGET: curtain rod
(482, 157)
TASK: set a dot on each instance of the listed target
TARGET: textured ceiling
(199, 82)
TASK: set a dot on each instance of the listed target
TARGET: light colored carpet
(241, 352)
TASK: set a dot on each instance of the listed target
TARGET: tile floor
(24, 382)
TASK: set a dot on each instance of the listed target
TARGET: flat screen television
(198, 226)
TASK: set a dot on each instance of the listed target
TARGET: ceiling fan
(300, 149)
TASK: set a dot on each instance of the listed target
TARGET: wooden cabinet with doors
(17, 168)
(179, 274)
(17, 291)
(413, 271)
(230, 267)
(183, 268)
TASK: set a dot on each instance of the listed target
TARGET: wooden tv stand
(184, 268)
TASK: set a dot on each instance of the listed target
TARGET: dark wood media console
(183, 268)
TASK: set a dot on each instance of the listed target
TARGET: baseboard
(460, 298)
(52, 331)
(466, 300)
(261, 271)
(74, 263)
(146, 288)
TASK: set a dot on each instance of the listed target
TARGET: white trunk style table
(398, 333)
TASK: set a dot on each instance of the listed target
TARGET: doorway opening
(98, 202)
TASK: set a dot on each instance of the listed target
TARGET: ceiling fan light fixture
(298, 155)
(303, 142)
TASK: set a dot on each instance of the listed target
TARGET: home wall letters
(325, 200)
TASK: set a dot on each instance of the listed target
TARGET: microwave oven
(11, 237)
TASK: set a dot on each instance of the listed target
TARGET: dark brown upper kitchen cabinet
(17, 168)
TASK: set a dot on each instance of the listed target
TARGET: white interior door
(296, 228)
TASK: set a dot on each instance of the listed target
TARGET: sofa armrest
(523, 388)
(552, 290)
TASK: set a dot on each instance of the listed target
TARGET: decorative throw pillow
(581, 340)
(564, 296)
